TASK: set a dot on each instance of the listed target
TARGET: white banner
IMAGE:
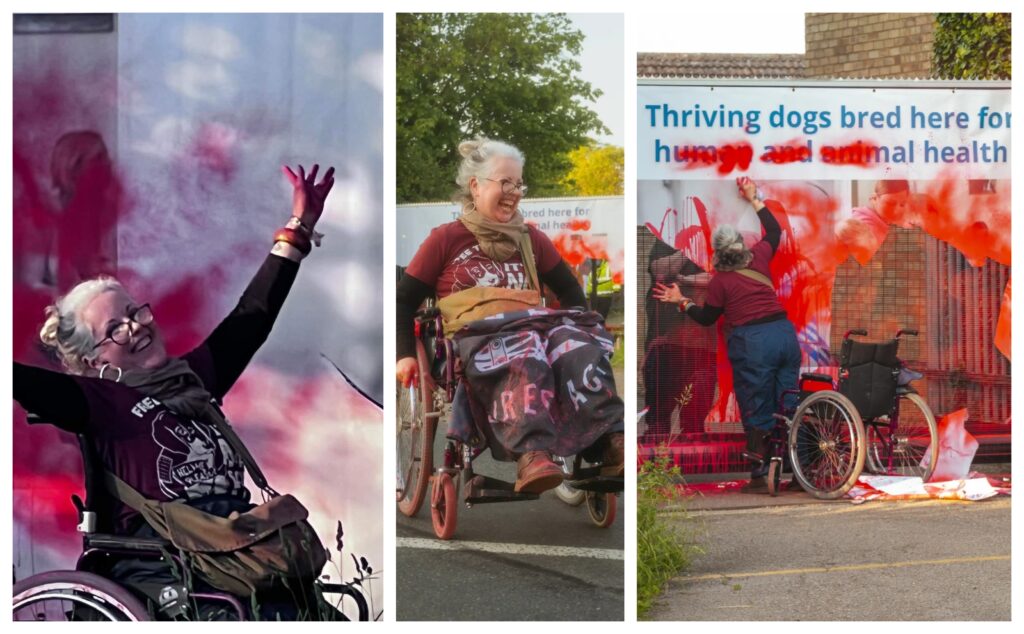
(597, 221)
(916, 130)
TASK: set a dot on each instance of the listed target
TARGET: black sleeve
(410, 294)
(704, 315)
(772, 230)
(235, 340)
(54, 397)
(561, 280)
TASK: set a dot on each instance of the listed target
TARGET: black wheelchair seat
(868, 376)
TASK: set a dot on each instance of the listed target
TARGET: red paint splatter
(793, 151)
(855, 154)
(213, 149)
(726, 157)
(1002, 338)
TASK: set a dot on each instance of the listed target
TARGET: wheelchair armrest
(122, 543)
(813, 376)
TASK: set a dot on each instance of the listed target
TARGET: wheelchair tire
(601, 508)
(774, 477)
(444, 506)
(827, 445)
(415, 443)
(566, 493)
(70, 595)
(917, 442)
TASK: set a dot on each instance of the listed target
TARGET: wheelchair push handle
(906, 331)
(860, 332)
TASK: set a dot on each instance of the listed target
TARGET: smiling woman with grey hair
(762, 344)
(150, 417)
(490, 262)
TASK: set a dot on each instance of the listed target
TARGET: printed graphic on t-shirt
(194, 459)
(472, 268)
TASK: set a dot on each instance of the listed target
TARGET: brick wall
(869, 44)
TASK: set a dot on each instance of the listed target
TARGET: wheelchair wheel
(68, 595)
(569, 495)
(444, 506)
(827, 445)
(774, 477)
(601, 508)
(565, 491)
(912, 449)
(347, 594)
(415, 442)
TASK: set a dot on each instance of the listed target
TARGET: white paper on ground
(895, 485)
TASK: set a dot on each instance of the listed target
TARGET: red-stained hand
(308, 196)
(407, 371)
(747, 187)
(669, 294)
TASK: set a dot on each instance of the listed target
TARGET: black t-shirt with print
(165, 456)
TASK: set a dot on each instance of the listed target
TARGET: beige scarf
(501, 240)
(498, 241)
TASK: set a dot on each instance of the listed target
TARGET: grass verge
(664, 549)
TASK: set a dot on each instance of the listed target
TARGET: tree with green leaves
(512, 77)
(972, 45)
(597, 170)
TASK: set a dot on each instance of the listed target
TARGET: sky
(603, 66)
(776, 32)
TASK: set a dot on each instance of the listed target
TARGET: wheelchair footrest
(596, 483)
(482, 489)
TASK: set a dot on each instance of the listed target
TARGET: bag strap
(124, 491)
(224, 427)
(757, 277)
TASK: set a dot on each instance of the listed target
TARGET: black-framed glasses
(121, 332)
(508, 186)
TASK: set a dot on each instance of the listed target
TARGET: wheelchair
(421, 409)
(902, 436)
(871, 417)
(87, 593)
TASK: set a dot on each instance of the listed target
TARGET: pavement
(795, 558)
(536, 560)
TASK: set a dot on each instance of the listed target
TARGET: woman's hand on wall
(669, 294)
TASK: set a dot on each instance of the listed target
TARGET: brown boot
(614, 457)
(537, 473)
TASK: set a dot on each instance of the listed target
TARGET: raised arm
(55, 397)
(772, 229)
(236, 339)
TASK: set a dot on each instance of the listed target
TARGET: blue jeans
(765, 361)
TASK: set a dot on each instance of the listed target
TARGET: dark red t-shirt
(450, 260)
(741, 298)
(163, 455)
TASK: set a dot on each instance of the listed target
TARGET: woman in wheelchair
(536, 387)
(147, 415)
(762, 344)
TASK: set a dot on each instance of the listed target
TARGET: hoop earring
(119, 372)
(471, 207)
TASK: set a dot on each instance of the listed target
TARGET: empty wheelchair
(89, 594)
(902, 436)
(421, 409)
(822, 439)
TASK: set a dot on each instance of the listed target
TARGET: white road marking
(510, 549)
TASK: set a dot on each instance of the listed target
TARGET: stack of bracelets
(298, 235)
